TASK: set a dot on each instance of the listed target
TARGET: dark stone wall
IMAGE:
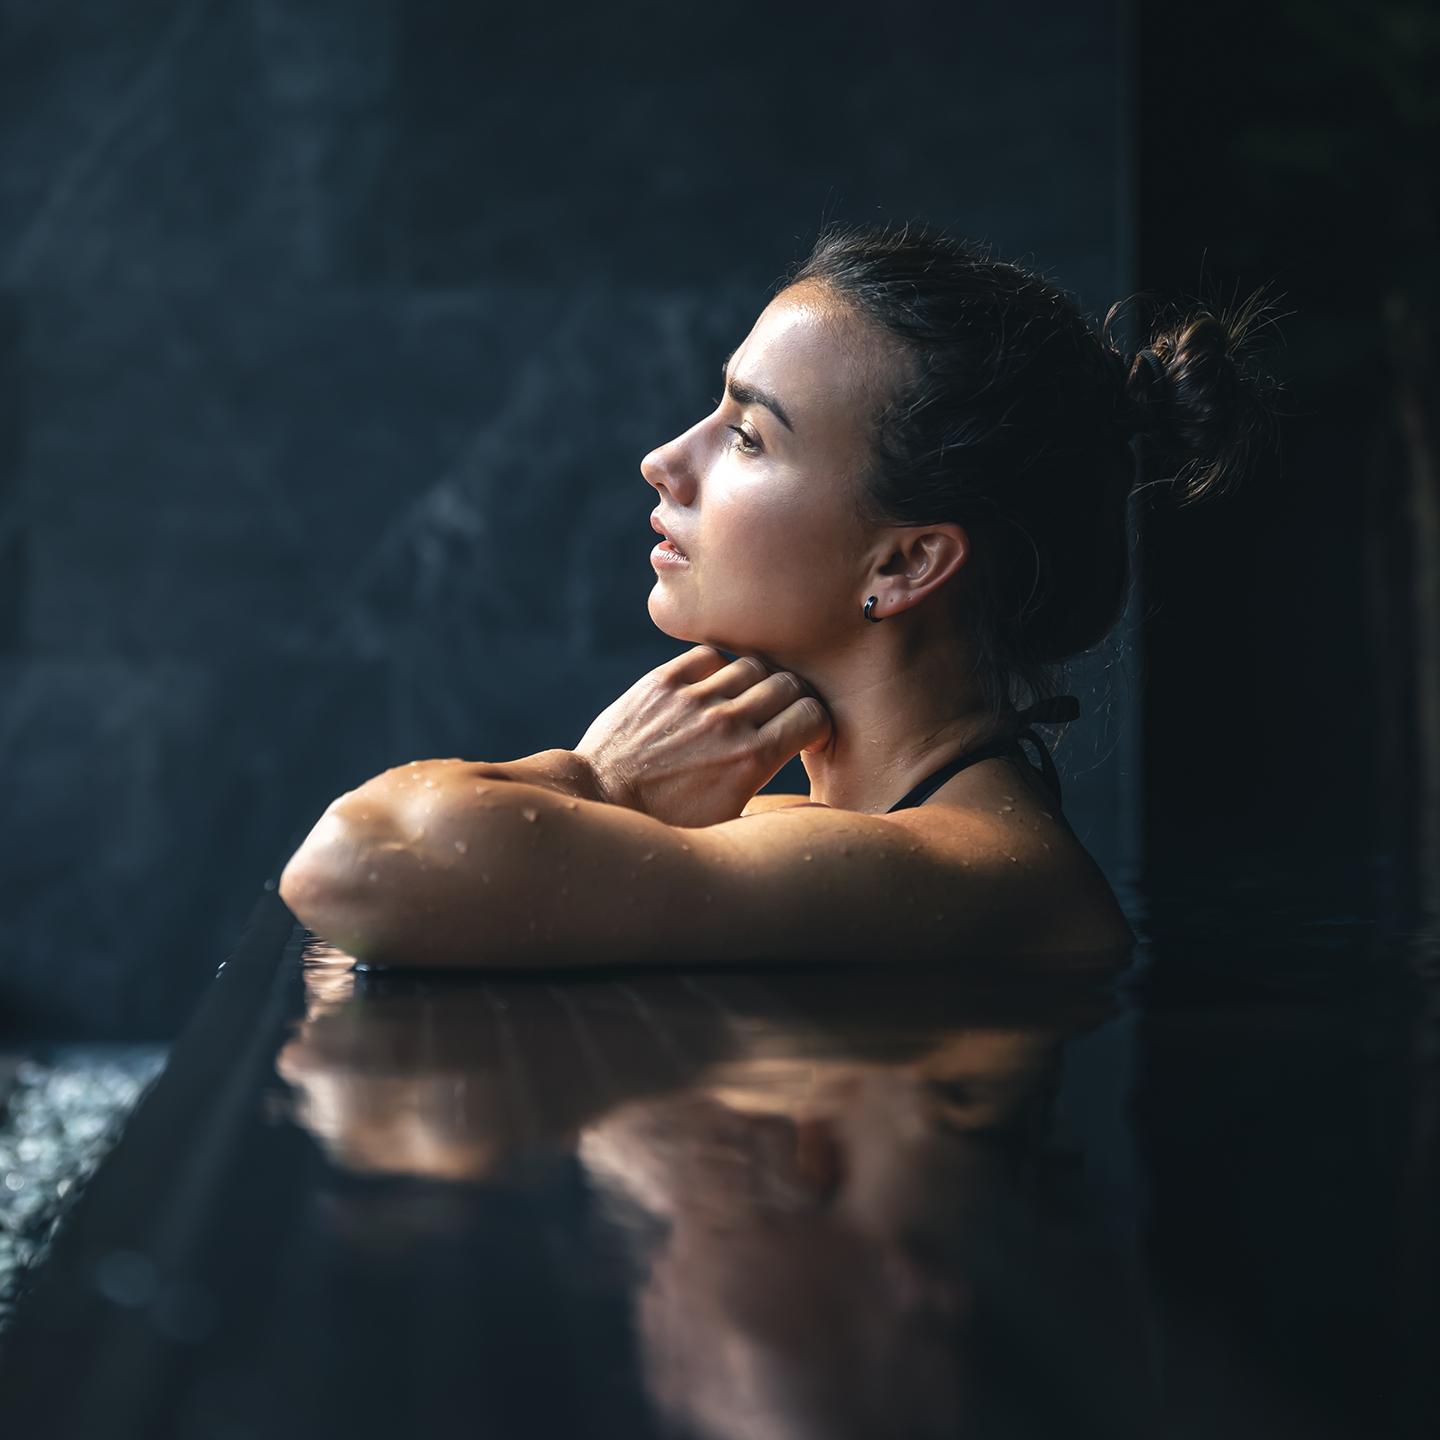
(331, 337)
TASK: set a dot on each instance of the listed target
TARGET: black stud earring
(869, 606)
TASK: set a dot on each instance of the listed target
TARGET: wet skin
(650, 832)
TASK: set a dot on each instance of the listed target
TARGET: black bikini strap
(1047, 766)
(1000, 745)
(1053, 710)
(1059, 707)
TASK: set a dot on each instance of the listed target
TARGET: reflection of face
(787, 1324)
(821, 1218)
(767, 515)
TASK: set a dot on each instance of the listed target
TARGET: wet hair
(1012, 415)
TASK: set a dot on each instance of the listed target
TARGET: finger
(734, 679)
(770, 696)
(804, 725)
(694, 664)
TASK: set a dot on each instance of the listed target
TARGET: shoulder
(938, 881)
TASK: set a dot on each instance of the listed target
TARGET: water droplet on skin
(374, 875)
(1007, 797)
(479, 789)
(429, 784)
(420, 833)
(1013, 858)
(1046, 844)
(461, 846)
(648, 855)
(684, 846)
(530, 812)
(571, 804)
(1004, 808)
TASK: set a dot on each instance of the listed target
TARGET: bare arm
(562, 771)
(473, 872)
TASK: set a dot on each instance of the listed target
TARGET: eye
(746, 444)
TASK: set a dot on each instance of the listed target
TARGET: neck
(902, 701)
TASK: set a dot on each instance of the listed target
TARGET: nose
(667, 469)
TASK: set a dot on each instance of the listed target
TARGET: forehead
(824, 363)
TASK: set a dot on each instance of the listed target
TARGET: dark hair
(1014, 418)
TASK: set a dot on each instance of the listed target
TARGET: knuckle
(751, 662)
(716, 719)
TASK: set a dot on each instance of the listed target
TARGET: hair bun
(1193, 396)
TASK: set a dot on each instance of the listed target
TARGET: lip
(659, 529)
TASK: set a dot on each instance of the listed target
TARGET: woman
(906, 509)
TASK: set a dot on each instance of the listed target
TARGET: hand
(694, 740)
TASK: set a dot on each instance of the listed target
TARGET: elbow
(295, 885)
(319, 871)
(321, 903)
(308, 894)
(325, 885)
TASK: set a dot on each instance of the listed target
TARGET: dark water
(1199, 1200)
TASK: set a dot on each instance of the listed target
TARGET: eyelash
(750, 447)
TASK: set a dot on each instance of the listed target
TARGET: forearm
(560, 770)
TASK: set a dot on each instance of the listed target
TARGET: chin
(664, 623)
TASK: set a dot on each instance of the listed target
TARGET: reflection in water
(847, 1208)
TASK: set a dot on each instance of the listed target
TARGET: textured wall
(331, 337)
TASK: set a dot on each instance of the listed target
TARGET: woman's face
(764, 506)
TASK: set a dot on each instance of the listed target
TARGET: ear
(921, 559)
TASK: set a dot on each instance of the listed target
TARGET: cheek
(780, 531)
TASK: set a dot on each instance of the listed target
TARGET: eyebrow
(744, 394)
